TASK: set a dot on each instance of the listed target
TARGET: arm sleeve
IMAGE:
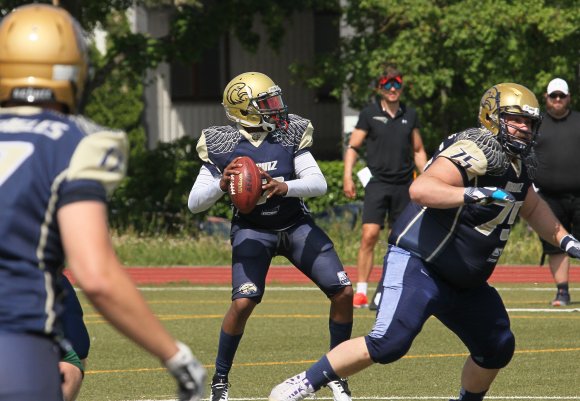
(310, 181)
(205, 191)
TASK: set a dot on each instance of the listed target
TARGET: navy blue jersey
(274, 152)
(463, 244)
(47, 160)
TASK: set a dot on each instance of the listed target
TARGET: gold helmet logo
(238, 93)
(489, 109)
(252, 99)
(510, 99)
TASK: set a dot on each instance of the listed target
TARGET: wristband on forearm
(72, 358)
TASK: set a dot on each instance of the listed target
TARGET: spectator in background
(394, 149)
(557, 178)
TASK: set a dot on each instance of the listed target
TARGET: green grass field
(288, 332)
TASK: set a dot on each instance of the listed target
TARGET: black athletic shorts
(381, 198)
(566, 207)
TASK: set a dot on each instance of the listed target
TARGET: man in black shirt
(557, 178)
(394, 149)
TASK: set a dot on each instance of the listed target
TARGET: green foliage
(450, 56)
(523, 247)
(333, 172)
(153, 198)
(195, 27)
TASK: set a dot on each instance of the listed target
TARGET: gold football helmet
(43, 57)
(252, 99)
(510, 99)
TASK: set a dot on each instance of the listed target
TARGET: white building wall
(166, 121)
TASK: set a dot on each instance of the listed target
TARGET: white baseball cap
(558, 85)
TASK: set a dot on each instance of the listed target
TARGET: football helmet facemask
(43, 57)
(510, 99)
(252, 99)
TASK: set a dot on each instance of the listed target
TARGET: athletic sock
(465, 395)
(321, 373)
(563, 288)
(339, 332)
(361, 288)
(228, 345)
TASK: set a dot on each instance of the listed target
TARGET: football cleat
(360, 300)
(562, 299)
(219, 388)
(340, 390)
(295, 388)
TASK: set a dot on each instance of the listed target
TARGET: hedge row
(153, 197)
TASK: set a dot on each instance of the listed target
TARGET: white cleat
(340, 390)
(293, 389)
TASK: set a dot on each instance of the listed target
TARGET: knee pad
(386, 350)
(500, 356)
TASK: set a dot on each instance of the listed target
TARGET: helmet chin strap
(277, 123)
(517, 147)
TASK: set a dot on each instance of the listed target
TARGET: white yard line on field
(411, 398)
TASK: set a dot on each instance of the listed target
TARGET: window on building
(203, 80)
(326, 40)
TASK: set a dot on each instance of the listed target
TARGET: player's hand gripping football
(273, 186)
(571, 246)
(487, 195)
(230, 170)
(189, 373)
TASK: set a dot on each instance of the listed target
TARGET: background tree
(451, 51)
(152, 198)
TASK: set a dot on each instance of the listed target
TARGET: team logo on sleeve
(343, 278)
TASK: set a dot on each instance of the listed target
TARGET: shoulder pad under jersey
(218, 140)
(100, 156)
(478, 151)
(299, 133)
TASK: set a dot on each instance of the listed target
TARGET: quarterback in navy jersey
(280, 223)
(56, 171)
(445, 245)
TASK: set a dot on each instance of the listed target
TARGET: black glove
(189, 373)
(486, 195)
(571, 246)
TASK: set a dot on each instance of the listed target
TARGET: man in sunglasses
(394, 149)
(557, 178)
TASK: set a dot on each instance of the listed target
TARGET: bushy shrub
(153, 197)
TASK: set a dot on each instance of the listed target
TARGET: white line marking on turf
(387, 398)
(553, 310)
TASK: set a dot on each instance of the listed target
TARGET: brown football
(246, 188)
